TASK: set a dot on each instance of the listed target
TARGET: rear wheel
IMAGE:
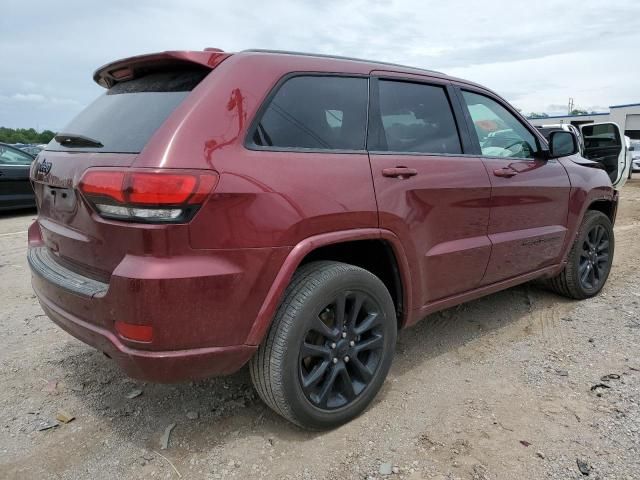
(329, 348)
(590, 259)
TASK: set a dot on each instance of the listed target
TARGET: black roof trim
(338, 57)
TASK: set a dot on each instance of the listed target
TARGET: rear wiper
(73, 140)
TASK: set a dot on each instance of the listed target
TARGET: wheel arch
(602, 199)
(393, 270)
(608, 206)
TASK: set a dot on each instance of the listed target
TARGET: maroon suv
(294, 211)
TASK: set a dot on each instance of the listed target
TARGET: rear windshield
(126, 116)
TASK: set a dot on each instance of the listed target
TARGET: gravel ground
(520, 384)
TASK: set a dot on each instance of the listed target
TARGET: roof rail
(338, 57)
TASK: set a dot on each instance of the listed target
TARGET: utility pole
(570, 107)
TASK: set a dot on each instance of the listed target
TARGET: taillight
(151, 196)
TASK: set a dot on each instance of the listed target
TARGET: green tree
(25, 135)
(538, 115)
(579, 111)
(45, 136)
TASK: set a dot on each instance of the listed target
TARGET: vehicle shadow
(228, 408)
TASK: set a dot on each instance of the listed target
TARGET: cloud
(26, 97)
(534, 54)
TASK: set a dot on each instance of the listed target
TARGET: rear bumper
(201, 307)
(155, 366)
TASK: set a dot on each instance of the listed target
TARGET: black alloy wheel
(590, 258)
(341, 350)
(330, 346)
(594, 258)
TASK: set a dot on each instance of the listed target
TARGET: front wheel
(590, 259)
(329, 348)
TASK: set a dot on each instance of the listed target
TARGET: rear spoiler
(128, 68)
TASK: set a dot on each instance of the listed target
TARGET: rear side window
(127, 115)
(415, 118)
(315, 112)
(13, 156)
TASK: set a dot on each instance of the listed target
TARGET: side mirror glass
(562, 144)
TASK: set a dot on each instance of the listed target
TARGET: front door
(429, 193)
(15, 188)
(530, 195)
(604, 143)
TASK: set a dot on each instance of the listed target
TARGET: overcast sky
(535, 53)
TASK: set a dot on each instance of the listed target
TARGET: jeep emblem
(44, 167)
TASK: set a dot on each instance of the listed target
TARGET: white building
(626, 116)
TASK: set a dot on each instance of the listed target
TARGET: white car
(635, 155)
(602, 143)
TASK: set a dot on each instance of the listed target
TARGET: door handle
(399, 172)
(505, 172)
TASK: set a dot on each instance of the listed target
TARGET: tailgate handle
(505, 172)
(399, 172)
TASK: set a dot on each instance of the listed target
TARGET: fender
(588, 185)
(306, 246)
(579, 203)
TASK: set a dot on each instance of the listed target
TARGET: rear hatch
(142, 92)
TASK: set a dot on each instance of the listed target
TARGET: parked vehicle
(15, 186)
(629, 155)
(33, 150)
(294, 211)
(635, 155)
(603, 143)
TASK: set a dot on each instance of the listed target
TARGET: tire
(307, 343)
(571, 281)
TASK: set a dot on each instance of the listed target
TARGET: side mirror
(562, 144)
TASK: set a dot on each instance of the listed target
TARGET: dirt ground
(520, 384)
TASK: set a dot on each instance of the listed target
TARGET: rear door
(530, 195)
(429, 193)
(15, 188)
(604, 143)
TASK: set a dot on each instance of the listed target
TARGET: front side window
(315, 112)
(415, 118)
(500, 134)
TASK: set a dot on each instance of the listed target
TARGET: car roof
(339, 57)
(368, 65)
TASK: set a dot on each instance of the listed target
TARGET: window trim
(374, 113)
(15, 165)
(541, 142)
(248, 139)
